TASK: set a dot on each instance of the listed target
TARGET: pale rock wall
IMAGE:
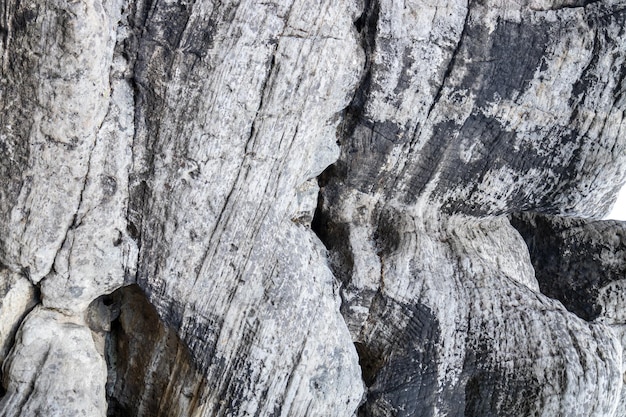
(18, 296)
(312, 208)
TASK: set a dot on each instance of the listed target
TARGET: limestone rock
(18, 296)
(54, 369)
(496, 114)
(312, 208)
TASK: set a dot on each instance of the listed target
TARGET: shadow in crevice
(371, 362)
(336, 238)
(150, 370)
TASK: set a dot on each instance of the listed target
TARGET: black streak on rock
(401, 364)
(503, 62)
(568, 261)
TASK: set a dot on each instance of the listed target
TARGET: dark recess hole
(370, 361)
(335, 236)
(359, 23)
(150, 371)
(108, 300)
(132, 230)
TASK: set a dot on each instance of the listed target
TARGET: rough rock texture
(581, 263)
(438, 288)
(312, 208)
(54, 369)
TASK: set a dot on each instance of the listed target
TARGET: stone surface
(312, 208)
(17, 297)
(54, 369)
(482, 110)
(581, 263)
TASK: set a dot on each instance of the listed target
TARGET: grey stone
(312, 208)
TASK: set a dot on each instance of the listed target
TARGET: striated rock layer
(312, 208)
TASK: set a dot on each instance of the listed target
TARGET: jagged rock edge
(366, 27)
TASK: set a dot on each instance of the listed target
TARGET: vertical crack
(367, 26)
(451, 64)
(334, 234)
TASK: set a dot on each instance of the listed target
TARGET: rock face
(312, 208)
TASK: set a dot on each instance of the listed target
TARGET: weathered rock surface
(312, 208)
(54, 369)
(18, 296)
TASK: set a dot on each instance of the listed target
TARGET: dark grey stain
(387, 235)
(496, 392)
(492, 148)
(400, 364)
(367, 153)
(201, 334)
(566, 255)
(424, 167)
(24, 18)
(405, 75)
(598, 18)
(493, 390)
(508, 58)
